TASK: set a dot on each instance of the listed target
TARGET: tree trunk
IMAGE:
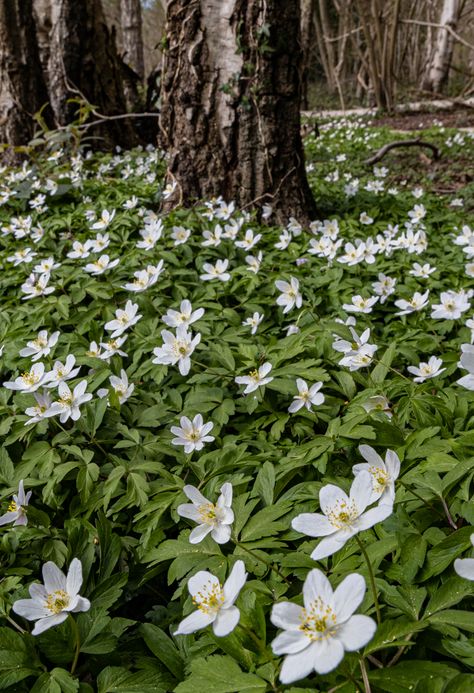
(84, 64)
(307, 39)
(42, 17)
(131, 20)
(231, 93)
(438, 69)
(22, 88)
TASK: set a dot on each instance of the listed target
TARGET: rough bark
(132, 39)
(22, 88)
(84, 64)
(438, 68)
(231, 92)
(306, 22)
(42, 17)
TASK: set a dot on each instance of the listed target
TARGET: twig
(447, 28)
(403, 143)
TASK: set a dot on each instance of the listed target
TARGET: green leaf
(119, 680)
(56, 681)
(403, 677)
(220, 674)
(265, 483)
(380, 371)
(444, 553)
(163, 648)
(448, 594)
(453, 617)
(17, 658)
(391, 631)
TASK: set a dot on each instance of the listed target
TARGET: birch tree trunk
(231, 93)
(22, 87)
(438, 69)
(84, 63)
(132, 38)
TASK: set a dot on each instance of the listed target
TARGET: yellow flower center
(29, 378)
(381, 478)
(343, 514)
(12, 507)
(207, 513)
(319, 621)
(210, 598)
(57, 601)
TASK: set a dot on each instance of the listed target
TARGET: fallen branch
(403, 143)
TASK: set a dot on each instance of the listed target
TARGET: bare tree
(440, 62)
(132, 38)
(231, 94)
(22, 88)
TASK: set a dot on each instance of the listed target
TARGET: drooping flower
(16, 511)
(255, 378)
(214, 519)
(215, 602)
(344, 516)
(315, 636)
(383, 473)
(464, 567)
(192, 434)
(51, 603)
(307, 396)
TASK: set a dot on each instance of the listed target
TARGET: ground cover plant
(236, 456)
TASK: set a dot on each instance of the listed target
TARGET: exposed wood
(403, 143)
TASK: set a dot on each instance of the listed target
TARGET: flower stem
(262, 560)
(77, 639)
(365, 677)
(371, 578)
(250, 634)
(15, 624)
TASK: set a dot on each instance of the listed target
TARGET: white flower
(215, 603)
(360, 305)
(67, 406)
(422, 271)
(365, 219)
(176, 349)
(378, 403)
(467, 362)
(169, 189)
(41, 346)
(151, 234)
(253, 322)
(424, 370)
(284, 240)
(306, 397)
(290, 295)
(383, 473)
(38, 412)
(464, 567)
(249, 240)
(62, 372)
(104, 220)
(344, 516)
(36, 286)
(101, 265)
(111, 348)
(292, 329)
(384, 287)
(217, 271)
(180, 235)
(255, 378)
(99, 243)
(145, 278)
(315, 637)
(417, 213)
(215, 520)
(254, 262)
(185, 316)
(46, 265)
(120, 386)
(212, 238)
(353, 254)
(416, 302)
(452, 305)
(192, 434)
(417, 192)
(16, 511)
(22, 256)
(50, 604)
(79, 250)
(29, 381)
(124, 318)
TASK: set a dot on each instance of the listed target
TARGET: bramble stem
(371, 578)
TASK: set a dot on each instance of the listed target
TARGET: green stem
(262, 560)
(417, 495)
(77, 639)
(371, 578)
(249, 633)
(15, 624)
(365, 677)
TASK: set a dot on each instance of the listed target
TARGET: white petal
(199, 533)
(37, 592)
(226, 620)
(195, 621)
(203, 580)
(194, 495)
(371, 456)
(221, 533)
(74, 577)
(317, 586)
(189, 511)
(373, 516)
(82, 604)
(464, 567)
(331, 495)
(327, 655)
(290, 642)
(46, 623)
(348, 596)
(234, 583)
(392, 463)
(226, 491)
(30, 609)
(297, 666)
(330, 545)
(286, 615)
(312, 524)
(53, 578)
(356, 632)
